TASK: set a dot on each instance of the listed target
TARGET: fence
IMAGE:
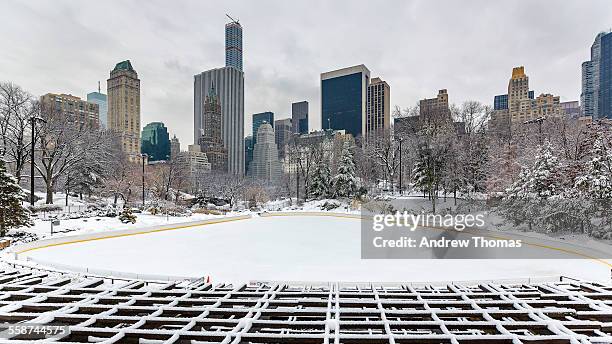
(47, 214)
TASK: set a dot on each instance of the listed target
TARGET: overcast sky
(418, 47)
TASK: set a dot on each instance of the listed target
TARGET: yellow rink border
(280, 214)
(599, 260)
(359, 217)
(209, 222)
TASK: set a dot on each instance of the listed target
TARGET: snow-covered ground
(42, 227)
(310, 248)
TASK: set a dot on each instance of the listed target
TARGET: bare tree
(64, 144)
(16, 108)
(121, 175)
(384, 151)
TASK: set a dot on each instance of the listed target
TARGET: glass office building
(155, 141)
(259, 119)
(299, 117)
(605, 77)
(100, 99)
(343, 99)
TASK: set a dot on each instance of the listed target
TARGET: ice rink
(296, 248)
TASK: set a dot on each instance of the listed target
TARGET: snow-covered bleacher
(124, 311)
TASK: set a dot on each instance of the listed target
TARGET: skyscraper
(229, 86)
(248, 153)
(299, 117)
(155, 141)
(175, 148)
(259, 119)
(589, 98)
(521, 106)
(378, 113)
(233, 44)
(100, 99)
(211, 140)
(343, 99)
(605, 77)
(123, 89)
(282, 132)
(265, 164)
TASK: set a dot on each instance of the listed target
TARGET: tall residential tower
(233, 44)
(378, 112)
(123, 89)
(228, 84)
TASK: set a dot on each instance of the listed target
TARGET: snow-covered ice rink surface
(293, 248)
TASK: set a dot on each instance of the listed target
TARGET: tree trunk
(49, 185)
(2, 230)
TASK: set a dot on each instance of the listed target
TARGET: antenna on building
(232, 19)
(98, 86)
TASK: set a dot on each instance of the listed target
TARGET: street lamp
(144, 156)
(400, 164)
(33, 119)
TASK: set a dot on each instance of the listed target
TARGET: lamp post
(297, 180)
(144, 156)
(33, 119)
(400, 164)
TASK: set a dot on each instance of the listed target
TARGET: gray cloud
(418, 47)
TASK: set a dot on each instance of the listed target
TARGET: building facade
(123, 89)
(155, 141)
(329, 142)
(248, 153)
(521, 105)
(229, 86)
(282, 132)
(343, 99)
(571, 108)
(605, 78)
(82, 113)
(175, 148)
(259, 119)
(500, 102)
(102, 101)
(211, 139)
(589, 98)
(197, 165)
(378, 113)
(265, 165)
(233, 45)
(299, 117)
(435, 108)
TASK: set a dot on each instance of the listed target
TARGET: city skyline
(283, 62)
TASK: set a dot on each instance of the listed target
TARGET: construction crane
(232, 19)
